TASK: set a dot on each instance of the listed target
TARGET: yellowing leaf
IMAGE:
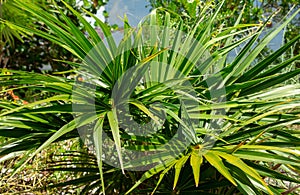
(244, 167)
(178, 167)
(216, 161)
(196, 161)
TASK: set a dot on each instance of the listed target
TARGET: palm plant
(158, 101)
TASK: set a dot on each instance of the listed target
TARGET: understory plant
(161, 110)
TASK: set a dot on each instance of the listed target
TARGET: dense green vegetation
(15, 45)
(161, 110)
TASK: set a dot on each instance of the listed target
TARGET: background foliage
(15, 48)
